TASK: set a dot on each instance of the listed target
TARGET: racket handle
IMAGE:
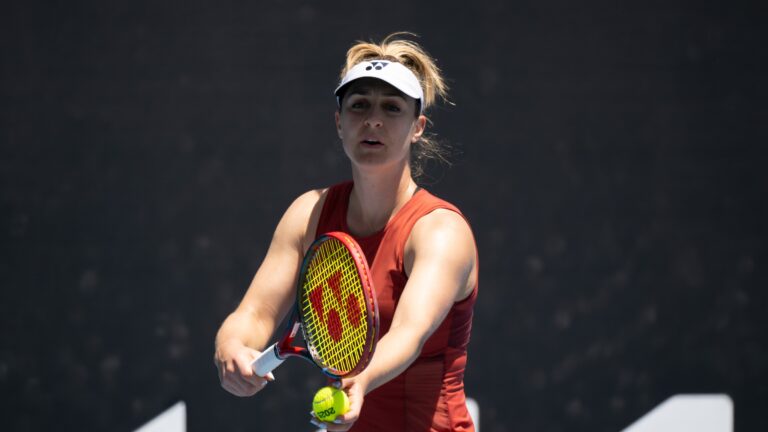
(267, 361)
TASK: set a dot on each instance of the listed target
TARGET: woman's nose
(373, 119)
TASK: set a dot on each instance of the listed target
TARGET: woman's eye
(393, 108)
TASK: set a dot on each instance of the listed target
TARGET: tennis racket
(335, 308)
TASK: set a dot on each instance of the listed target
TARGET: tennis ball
(329, 403)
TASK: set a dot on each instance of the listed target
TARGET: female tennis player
(420, 250)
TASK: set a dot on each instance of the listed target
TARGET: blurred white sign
(174, 419)
(688, 413)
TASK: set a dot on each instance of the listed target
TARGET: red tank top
(429, 395)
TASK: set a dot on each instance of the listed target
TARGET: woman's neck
(376, 197)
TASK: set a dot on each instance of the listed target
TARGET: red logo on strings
(332, 319)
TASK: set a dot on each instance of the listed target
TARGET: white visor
(392, 73)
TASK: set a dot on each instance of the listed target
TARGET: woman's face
(377, 124)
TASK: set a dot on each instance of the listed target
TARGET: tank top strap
(334, 213)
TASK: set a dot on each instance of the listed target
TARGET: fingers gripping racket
(335, 308)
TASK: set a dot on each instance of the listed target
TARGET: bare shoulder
(442, 227)
(442, 235)
(306, 202)
(299, 221)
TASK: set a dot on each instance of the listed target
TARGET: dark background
(612, 165)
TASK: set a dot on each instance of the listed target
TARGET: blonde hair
(411, 55)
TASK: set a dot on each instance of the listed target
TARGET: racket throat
(294, 330)
(287, 348)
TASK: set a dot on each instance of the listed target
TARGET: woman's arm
(440, 258)
(249, 328)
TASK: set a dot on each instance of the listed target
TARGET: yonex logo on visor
(378, 65)
(392, 73)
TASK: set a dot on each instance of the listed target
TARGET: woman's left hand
(355, 388)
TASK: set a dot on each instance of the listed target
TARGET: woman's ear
(337, 117)
(419, 126)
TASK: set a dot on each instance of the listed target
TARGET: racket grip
(267, 361)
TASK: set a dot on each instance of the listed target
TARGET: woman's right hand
(233, 361)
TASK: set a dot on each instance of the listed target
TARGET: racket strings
(333, 347)
(338, 349)
(336, 352)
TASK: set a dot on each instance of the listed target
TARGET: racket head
(337, 305)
